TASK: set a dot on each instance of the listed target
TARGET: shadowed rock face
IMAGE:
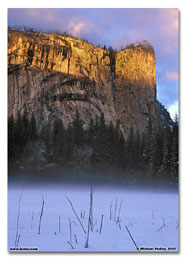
(53, 76)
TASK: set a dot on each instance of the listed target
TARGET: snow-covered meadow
(148, 219)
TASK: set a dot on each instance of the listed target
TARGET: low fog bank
(78, 179)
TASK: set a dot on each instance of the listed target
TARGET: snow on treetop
(145, 45)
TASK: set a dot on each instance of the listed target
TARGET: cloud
(169, 21)
(32, 12)
(168, 24)
(78, 28)
(171, 75)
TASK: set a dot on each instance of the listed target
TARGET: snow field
(151, 218)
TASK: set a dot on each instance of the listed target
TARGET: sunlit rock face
(54, 76)
(135, 86)
(59, 53)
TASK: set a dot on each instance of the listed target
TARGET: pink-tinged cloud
(168, 24)
(33, 12)
(171, 75)
(78, 28)
(41, 14)
(169, 21)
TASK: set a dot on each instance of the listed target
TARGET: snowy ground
(151, 218)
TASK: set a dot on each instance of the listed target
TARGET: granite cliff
(54, 76)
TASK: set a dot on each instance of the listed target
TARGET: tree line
(21, 130)
(100, 147)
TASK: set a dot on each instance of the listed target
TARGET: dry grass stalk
(32, 218)
(111, 211)
(120, 208)
(70, 245)
(115, 209)
(90, 219)
(59, 224)
(18, 216)
(75, 237)
(162, 225)
(101, 224)
(41, 214)
(75, 213)
(132, 239)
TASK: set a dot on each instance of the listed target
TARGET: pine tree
(91, 132)
(174, 158)
(33, 129)
(78, 131)
(137, 151)
(58, 140)
(99, 145)
(109, 144)
(25, 123)
(159, 149)
(143, 154)
(18, 136)
(45, 138)
(149, 150)
(69, 144)
(121, 153)
(130, 150)
(167, 152)
(11, 139)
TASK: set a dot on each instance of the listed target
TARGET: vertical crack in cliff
(112, 55)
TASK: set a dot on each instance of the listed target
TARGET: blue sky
(116, 28)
